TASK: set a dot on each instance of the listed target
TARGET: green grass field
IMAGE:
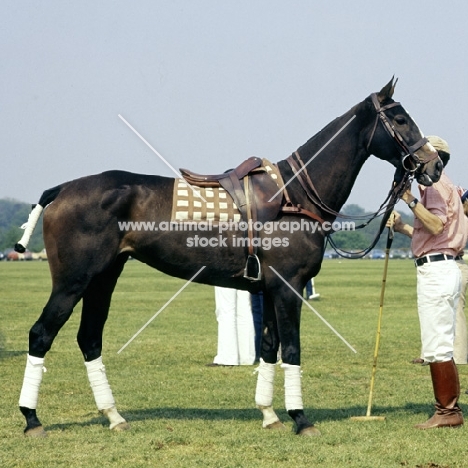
(184, 414)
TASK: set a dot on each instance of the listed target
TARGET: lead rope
(394, 196)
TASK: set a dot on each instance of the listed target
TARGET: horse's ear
(387, 91)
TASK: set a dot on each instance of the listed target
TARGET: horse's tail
(46, 198)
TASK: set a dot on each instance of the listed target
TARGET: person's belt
(432, 258)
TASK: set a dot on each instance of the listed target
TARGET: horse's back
(84, 215)
(105, 190)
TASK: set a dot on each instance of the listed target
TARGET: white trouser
(460, 346)
(438, 289)
(236, 334)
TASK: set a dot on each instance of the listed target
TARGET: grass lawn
(184, 414)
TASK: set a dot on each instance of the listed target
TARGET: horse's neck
(334, 159)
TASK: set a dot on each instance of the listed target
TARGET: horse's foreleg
(264, 395)
(293, 400)
(266, 369)
(288, 310)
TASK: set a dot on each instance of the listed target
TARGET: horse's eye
(400, 120)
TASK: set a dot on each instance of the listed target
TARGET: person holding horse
(460, 347)
(439, 234)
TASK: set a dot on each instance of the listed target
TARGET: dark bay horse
(87, 249)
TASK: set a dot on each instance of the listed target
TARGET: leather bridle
(410, 160)
(410, 163)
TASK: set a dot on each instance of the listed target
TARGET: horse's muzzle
(424, 179)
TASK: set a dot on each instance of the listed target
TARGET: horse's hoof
(277, 425)
(37, 431)
(310, 431)
(121, 427)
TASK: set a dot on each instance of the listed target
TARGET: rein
(300, 171)
(393, 197)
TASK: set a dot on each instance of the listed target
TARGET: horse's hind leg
(96, 303)
(41, 336)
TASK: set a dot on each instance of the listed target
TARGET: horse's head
(395, 137)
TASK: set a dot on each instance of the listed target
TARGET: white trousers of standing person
(236, 335)
(460, 346)
(438, 289)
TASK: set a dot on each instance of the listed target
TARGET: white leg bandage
(292, 387)
(99, 384)
(269, 416)
(264, 391)
(30, 225)
(102, 392)
(31, 382)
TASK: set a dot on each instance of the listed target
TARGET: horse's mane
(331, 126)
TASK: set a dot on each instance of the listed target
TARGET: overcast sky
(209, 83)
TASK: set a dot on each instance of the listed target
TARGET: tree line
(13, 214)
(362, 238)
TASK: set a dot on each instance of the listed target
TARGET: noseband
(410, 160)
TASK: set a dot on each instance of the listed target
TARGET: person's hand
(407, 196)
(391, 220)
(395, 221)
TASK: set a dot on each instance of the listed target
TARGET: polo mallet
(368, 416)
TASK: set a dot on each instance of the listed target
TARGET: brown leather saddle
(257, 196)
(250, 186)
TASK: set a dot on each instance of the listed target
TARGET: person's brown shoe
(446, 391)
(442, 420)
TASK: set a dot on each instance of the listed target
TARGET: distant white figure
(236, 335)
